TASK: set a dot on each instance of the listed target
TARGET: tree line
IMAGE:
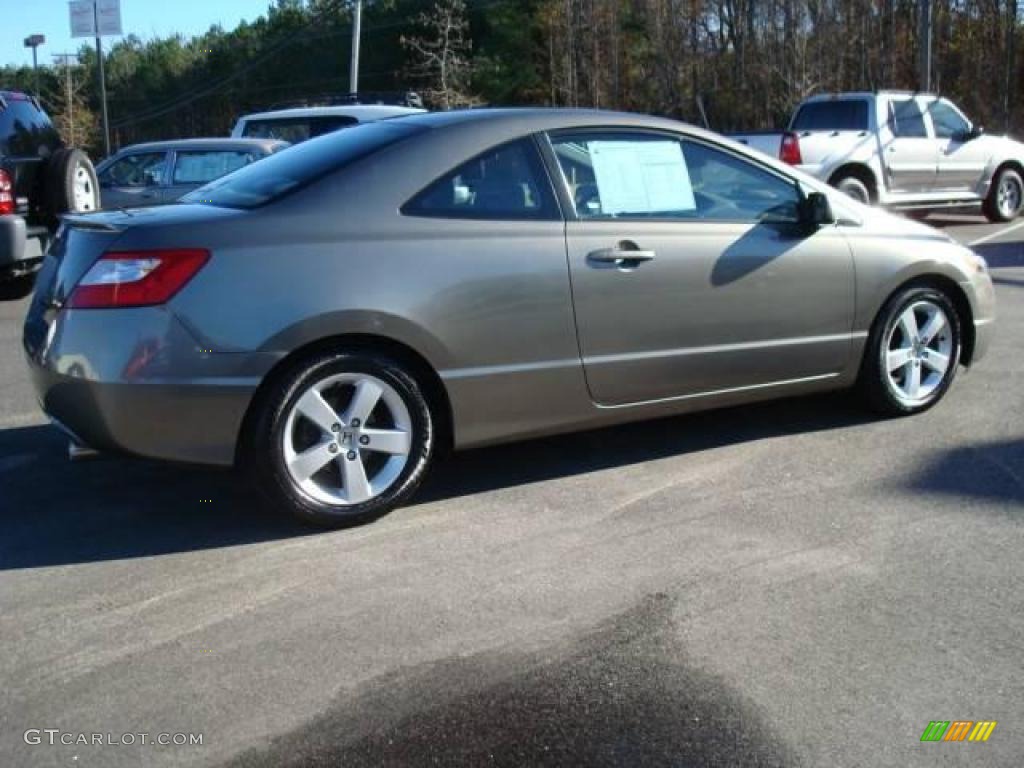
(733, 64)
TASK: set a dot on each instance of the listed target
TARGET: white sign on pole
(83, 19)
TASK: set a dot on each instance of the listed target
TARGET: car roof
(211, 143)
(534, 119)
(362, 112)
(867, 95)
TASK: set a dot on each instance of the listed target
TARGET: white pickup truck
(901, 150)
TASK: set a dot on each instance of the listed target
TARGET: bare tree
(77, 125)
(441, 55)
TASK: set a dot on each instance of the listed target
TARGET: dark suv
(40, 179)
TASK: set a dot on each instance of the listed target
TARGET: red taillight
(6, 193)
(789, 152)
(136, 278)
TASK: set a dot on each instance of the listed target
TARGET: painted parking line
(994, 235)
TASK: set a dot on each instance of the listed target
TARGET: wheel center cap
(346, 439)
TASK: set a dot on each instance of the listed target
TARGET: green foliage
(748, 61)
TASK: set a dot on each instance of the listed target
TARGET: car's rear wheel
(913, 352)
(1006, 196)
(854, 187)
(342, 439)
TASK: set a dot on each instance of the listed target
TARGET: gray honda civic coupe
(333, 318)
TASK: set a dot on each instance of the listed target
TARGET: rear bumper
(21, 246)
(136, 382)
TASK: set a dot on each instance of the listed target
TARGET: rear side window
(907, 120)
(143, 169)
(832, 116)
(289, 170)
(296, 129)
(507, 182)
(24, 129)
(197, 167)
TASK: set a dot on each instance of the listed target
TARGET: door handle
(625, 254)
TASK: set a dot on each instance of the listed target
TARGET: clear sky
(145, 18)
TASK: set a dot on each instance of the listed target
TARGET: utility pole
(102, 77)
(66, 59)
(925, 46)
(1011, 56)
(353, 70)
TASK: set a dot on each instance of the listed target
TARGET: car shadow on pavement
(990, 471)
(622, 694)
(53, 512)
(583, 452)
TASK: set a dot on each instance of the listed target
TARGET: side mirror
(971, 133)
(815, 211)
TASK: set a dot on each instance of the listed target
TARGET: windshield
(295, 167)
(832, 116)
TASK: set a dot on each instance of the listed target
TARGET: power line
(179, 102)
(186, 99)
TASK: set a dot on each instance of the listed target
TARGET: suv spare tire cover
(71, 184)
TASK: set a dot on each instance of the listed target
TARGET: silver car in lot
(161, 172)
(336, 316)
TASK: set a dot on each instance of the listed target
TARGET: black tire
(265, 454)
(881, 393)
(62, 171)
(854, 187)
(992, 209)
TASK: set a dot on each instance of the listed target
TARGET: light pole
(102, 78)
(33, 42)
(353, 70)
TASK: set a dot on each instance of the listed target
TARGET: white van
(301, 123)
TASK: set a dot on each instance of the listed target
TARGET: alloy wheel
(918, 352)
(346, 439)
(1008, 196)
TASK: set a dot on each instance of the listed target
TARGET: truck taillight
(7, 203)
(136, 278)
(789, 152)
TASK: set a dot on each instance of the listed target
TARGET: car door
(134, 179)
(963, 158)
(688, 276)
(911, 154)
(192, 168)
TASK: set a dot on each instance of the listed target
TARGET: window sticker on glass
(641, 177)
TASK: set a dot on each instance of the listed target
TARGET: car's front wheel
(913, 352)
(342, 439)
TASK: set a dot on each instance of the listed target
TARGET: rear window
(199, 167)
(25, 128)
(296, 129)
(296, 167)
(832, 116)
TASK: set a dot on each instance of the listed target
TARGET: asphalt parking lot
(791, 584)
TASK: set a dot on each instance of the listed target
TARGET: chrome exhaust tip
(78, 452)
